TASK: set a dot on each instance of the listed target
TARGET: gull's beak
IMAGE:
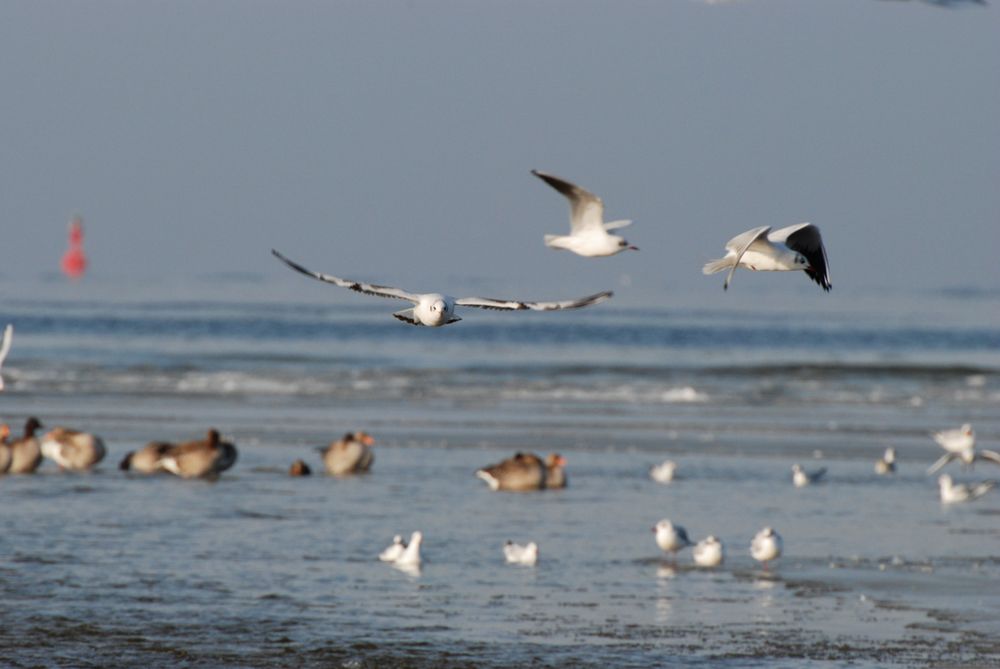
(633, 247)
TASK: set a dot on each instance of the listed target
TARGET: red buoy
(74, 262)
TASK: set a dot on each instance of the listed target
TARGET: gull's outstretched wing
(740, 244)
(8, 339)
(586, 211)
(614, 225)
(357, 286)
(804, 238)
(992, 456)
(515, 305)
(941, 462)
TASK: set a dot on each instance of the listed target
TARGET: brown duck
(5, 453)
(26, 452)
(206, 457)
(71, 449)
(524, 471)
(352, 454)
(555, 475)
(147, 459)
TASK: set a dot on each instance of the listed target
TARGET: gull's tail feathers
(715, 266)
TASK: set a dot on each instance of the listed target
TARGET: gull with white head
(518, 554)
(409, 560)
(952, 493)
(797, 247)
(589, 234)
(394, 551)
(709, 552)
(960, 443)
(663, 472)
(801, 478)
(887, 463)
(671, 538)
(766, 546)
(435, 309)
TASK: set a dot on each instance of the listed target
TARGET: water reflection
(665, 575)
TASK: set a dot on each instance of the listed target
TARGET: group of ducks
(73, 450)
(199, 458)
(794, 248)
(69, 449)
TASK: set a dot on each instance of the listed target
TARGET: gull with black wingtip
(435, 309)
(797, 247)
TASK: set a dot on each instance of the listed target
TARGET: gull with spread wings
(960, 444)
(435, 309)
(588, 232)
(797, 247)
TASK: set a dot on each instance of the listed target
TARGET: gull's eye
(623, 243)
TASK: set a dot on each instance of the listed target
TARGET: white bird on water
(394, 551)
(518, 554)
(797, 247)
(8, 339)
(409, 559)
(766, 546)
(435, 309)
(663, 472)
(961, 444)
(709, 552)
(801, 478)
(588, 232)
(671, 538)
(887, 463)
(952, 492)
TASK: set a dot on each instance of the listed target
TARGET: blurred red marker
(74, 262)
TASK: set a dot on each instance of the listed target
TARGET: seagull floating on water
(588, 232)
(766, 546)
(8, 339)
(671, 538)
(409, 559)
(887, 463)
(797, 247)
(709, 552)
(518, 554)
(394, 551)
(435, 309)
(801, 478)
(952, 492)
(960, 443)
(663, 472)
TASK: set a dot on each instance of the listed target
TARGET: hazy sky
(393, 140)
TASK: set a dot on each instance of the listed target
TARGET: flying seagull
(960, 444)
(797, 247)
(588, 232)
(435, 309)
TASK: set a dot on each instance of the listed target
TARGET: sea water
(261, 569)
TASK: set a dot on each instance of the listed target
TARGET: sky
(393, 141)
